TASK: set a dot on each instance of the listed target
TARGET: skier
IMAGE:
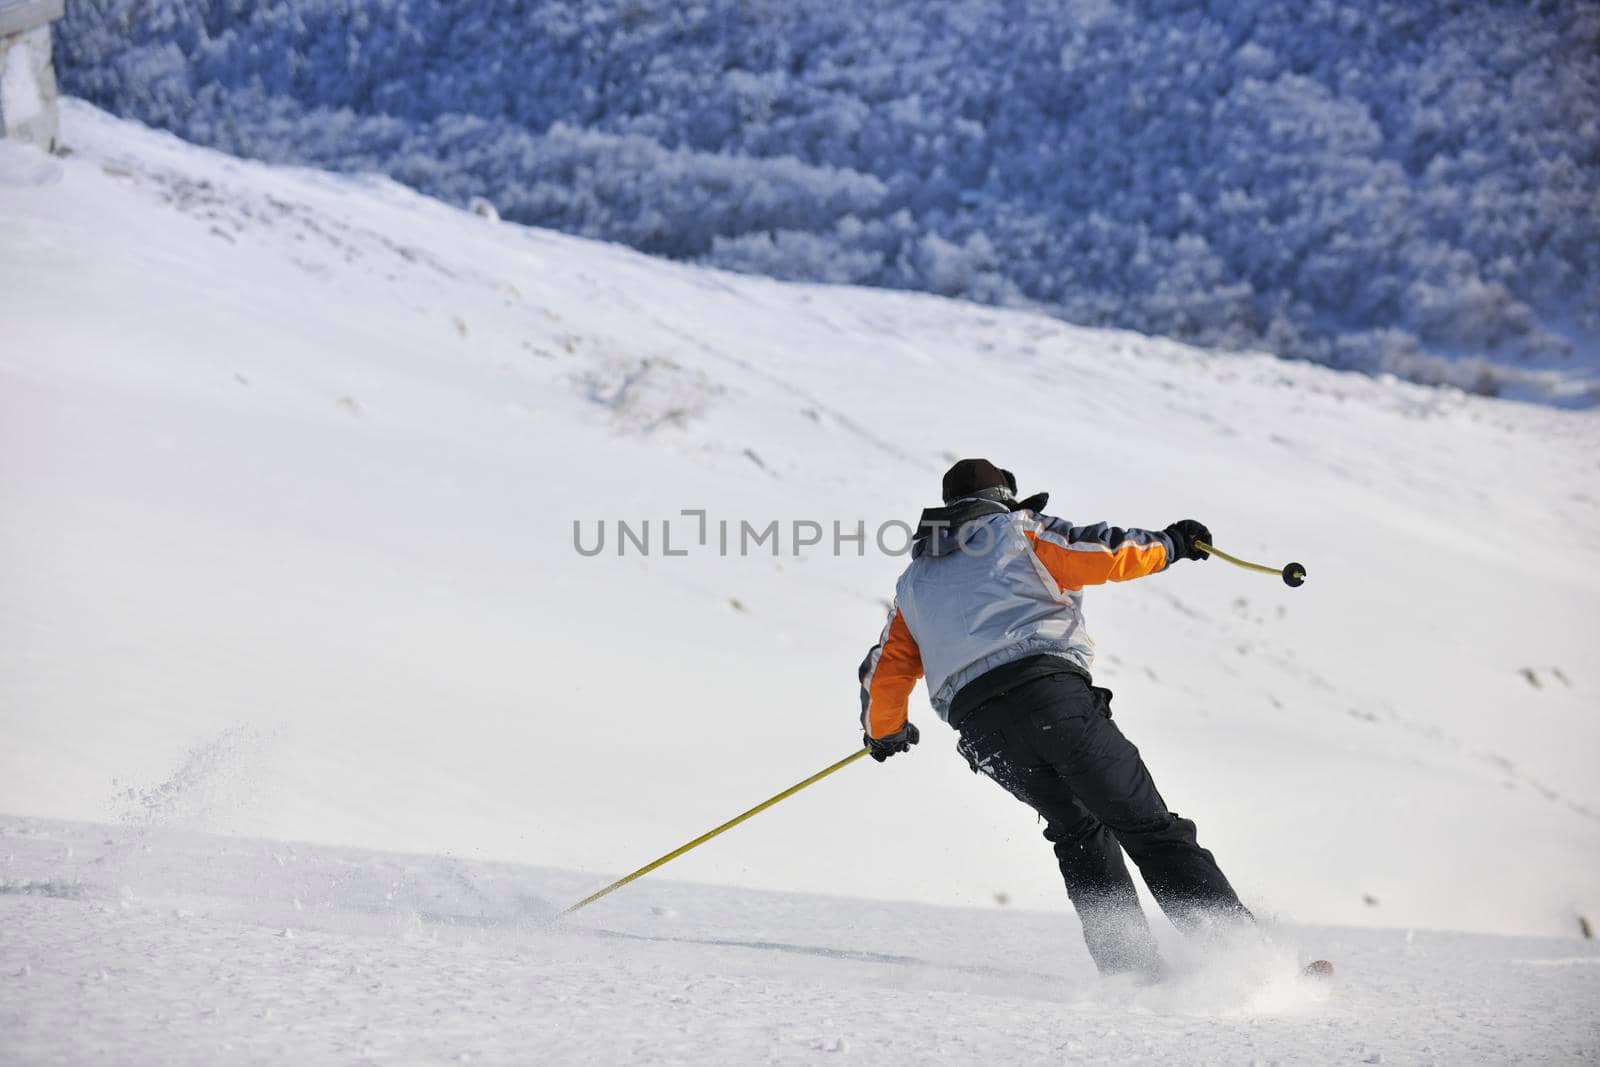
(991, 610)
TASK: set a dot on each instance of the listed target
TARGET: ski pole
(1293, 574)
(708, 835)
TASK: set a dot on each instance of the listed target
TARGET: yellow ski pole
(708, 835)
(1293, 574)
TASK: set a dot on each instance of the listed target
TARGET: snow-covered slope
(178, 949)
(289, 471)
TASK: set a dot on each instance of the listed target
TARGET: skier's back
(990, 609)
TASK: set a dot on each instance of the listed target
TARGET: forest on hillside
(1403, 186)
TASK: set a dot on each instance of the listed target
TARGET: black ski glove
(1184, 533)
(899, 741)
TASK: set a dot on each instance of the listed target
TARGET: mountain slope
(292, 467)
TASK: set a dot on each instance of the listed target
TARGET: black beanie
(975, 477)
(969, 477)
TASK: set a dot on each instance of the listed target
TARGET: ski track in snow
(128, 945)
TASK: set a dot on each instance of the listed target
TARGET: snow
(197, 949)
(289, 470)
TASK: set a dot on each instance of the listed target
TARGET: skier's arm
(888, 675)
(1077, 556)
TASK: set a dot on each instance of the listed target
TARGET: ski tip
(1318, 969)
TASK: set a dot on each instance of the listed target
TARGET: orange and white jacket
(987, 586)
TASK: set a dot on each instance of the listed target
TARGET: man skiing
(991, 610)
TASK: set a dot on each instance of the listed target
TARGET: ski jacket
(988, 586)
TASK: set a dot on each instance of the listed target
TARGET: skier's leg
(1072, 730)
(1092, 867)
(1100, 888)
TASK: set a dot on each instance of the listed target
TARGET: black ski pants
(1051, 743)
